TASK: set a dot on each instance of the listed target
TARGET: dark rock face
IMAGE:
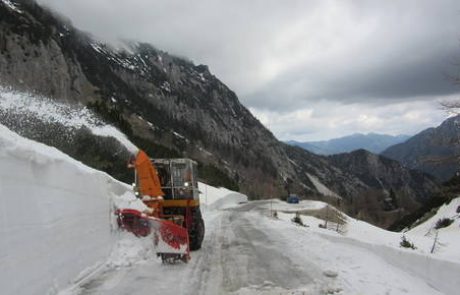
(435, 150)
(164, 98)
(372, 187)
(377, 171)
(171, 107)
(392, 190)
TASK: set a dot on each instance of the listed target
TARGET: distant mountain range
(372, 142)
(435, 150)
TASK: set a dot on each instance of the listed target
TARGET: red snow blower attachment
(133, 221)
(170, 240)
(172, 217)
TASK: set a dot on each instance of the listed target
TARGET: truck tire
(197, 231)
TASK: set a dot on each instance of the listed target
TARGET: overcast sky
(309, 70)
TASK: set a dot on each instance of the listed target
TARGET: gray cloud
(401, 80)
(284, 56)
(329, 119)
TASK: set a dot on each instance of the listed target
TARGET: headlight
(187, 183)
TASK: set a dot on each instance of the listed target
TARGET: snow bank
(422, 236)
(129, 201)
(445, 211)
(441, 274)
(357, 267)
(219, 198)
(229, 201)
(439, 269)
(443, 241)
(303, 205)
(55, 217)
(130, 250)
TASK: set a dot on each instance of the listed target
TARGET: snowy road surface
(245, 252)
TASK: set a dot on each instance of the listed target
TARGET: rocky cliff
(435, 150)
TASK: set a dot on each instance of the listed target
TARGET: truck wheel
(197, 233)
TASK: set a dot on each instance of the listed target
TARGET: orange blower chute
(149, 183)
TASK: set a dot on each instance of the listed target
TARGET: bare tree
(452, 106)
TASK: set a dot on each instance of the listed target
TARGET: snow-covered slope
(439, 269)
(28, 107)
(422, 236)
(448, 238)
(11, 5)
(55, 217)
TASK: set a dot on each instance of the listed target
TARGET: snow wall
(55, 217)
(441, 274)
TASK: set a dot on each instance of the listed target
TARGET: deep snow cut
(55, 217)
(57, 222)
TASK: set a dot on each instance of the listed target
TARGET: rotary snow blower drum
(170, 240)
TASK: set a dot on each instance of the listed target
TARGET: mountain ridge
(373, 142)
(434, 150)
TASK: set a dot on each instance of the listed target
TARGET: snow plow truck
(169, 188)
